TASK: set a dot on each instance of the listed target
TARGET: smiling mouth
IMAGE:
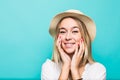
(69, 45)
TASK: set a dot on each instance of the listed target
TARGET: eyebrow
(72, 27)
(61, 28)
(75, 27)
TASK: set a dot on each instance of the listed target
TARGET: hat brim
(89, 23)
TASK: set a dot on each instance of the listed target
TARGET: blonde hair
(87, 57)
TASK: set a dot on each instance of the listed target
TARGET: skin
(71, 47)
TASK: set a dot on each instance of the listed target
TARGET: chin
(69, 51)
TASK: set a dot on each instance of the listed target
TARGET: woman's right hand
(65, 58)
(66, 61)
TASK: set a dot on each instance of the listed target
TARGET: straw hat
(90, 25)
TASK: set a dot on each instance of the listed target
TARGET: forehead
(68, 23)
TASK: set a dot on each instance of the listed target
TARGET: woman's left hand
(77, 57)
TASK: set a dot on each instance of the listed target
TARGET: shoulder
(48, 66)
(97, 66)
(96, 71)
(48, 63)
(49, 70)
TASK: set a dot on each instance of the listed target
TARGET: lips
(69, 45)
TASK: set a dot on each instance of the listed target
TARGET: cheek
(77, 39)
(61, 36)
(58, 35)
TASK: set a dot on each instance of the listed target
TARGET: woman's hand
(65, 58)
(66, 62)
(76, 59)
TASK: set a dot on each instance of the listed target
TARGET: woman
(73, 33)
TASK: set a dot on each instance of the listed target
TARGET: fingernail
(82, 39)
(57, 35)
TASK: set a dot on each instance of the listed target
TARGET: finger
(61, 51)
(59, 44)
(81, 50)
(76, 48)
(80, 46)
(58, 40)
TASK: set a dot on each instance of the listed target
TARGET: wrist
(66, 66)
(75, 74)
(64, 73)
(78, 79)
(74, 70)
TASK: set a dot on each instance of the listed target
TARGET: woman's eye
(62, 32)
(75, 31)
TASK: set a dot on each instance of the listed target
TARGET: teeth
(68, 44)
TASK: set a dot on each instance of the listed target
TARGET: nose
(68, 36)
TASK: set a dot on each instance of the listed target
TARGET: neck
(71, 55)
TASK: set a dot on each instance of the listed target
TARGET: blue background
(25, 42)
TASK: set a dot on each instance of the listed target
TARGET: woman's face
(70, 34)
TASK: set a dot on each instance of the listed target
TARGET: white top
(51, 71)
